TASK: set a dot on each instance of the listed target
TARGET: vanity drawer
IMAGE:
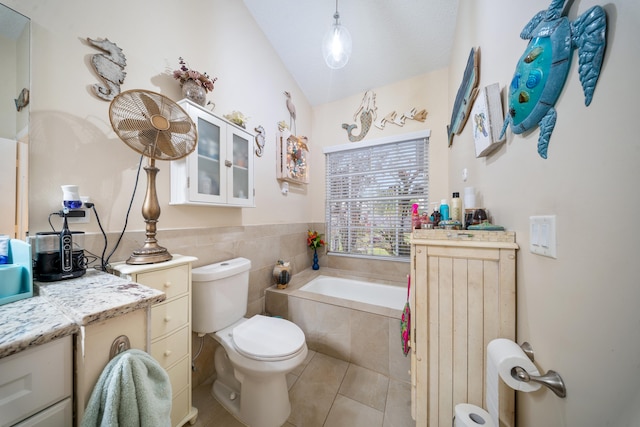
(34, 379)
(169, 316)
(169, 350)
(172, 281)
(179, 375)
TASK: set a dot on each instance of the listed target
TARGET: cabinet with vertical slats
(463, 296)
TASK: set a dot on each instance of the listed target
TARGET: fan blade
(180, 127)
(151, 105)
(130, 124)
(164, 145)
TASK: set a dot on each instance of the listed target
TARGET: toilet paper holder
(552, 380)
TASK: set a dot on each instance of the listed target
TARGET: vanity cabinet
(36, 386)
(93, 350)
(170, 326)
(463, 296)
(220, 170)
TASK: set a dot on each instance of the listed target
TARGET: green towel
(133, 390)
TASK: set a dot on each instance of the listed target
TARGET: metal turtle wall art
(544, 67)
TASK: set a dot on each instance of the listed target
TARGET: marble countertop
(62, 308)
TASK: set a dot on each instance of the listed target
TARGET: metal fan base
(149, 255)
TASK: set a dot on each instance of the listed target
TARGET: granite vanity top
(62, 308)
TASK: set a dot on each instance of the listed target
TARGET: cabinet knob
(167, 284)
(167, 319)
(228, 163)
(167, 353)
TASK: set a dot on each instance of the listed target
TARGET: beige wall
(72, 140)
(428, 91)
(580, 311)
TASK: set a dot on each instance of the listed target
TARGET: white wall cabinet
(36, 386)
(220, 170)
(463, 296)
(170, 326)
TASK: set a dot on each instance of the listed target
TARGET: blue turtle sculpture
(544, 66)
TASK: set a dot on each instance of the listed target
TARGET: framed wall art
(292, 158)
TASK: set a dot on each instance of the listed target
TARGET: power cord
(126, 219)
(104, 262)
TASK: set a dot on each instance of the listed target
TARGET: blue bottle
(444, 210)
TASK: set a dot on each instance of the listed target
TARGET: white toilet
(255, 355)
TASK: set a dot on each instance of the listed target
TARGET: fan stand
(151, 252)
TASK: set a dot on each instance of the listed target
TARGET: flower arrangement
(314, 240)
(237, 117)
(202, 79)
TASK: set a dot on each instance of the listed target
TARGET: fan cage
(153, 125)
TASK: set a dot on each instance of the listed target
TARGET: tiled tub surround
(62, 308)
(363, 334)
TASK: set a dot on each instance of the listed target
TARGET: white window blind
(370, 190)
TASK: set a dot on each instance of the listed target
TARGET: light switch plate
(542, 235)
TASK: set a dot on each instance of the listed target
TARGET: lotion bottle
(456, 207)
(415, 217)
(444, 210)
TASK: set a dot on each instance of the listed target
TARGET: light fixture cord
(336, 15)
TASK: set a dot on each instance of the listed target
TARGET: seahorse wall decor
(110, 67)
(368, 113)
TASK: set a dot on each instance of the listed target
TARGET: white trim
(380, 141)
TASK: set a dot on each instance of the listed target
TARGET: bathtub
(386, 296)
(350, 319)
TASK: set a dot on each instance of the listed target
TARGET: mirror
(14, 121)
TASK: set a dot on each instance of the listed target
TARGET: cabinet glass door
(206, 178)
(240, 181)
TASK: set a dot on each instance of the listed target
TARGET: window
(370, 187)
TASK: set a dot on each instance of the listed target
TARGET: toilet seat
(268, 338)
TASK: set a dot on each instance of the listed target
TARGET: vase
(282, 274)
(195, 92)
(315, 266)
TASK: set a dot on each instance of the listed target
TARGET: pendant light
(336, 45)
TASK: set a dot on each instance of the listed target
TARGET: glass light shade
(336, 46)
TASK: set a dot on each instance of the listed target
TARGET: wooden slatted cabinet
(463, 296)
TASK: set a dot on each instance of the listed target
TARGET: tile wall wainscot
(360, 333)
(264, 245)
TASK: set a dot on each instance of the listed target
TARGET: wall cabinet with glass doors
(220, 170)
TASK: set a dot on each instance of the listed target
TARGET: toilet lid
(262, 337)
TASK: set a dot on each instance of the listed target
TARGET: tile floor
(327, 392)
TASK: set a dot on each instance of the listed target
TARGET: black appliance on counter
(56, 260)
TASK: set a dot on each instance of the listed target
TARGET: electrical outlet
(79, 216)
(542, 236)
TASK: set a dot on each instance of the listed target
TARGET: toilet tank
(219, 294)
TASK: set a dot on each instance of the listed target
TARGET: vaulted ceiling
(392, 40)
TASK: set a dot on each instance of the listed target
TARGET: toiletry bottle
(415, 217)
(456, 207)
(435, 216)
(444, 210)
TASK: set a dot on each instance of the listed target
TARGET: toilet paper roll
(506, 355)
(502, 356)
(468, 415)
